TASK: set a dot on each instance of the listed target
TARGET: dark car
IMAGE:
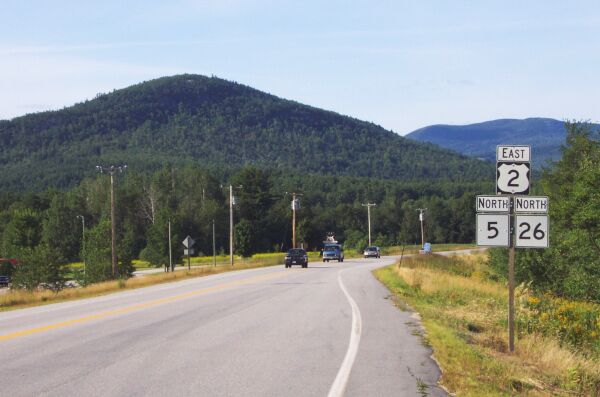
(296, 256)
(7, 268)
(372, 252)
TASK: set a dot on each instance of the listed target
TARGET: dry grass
(16, 299)
(465, 317)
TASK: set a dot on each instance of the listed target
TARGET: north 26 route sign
(513, 169)
(531, 231)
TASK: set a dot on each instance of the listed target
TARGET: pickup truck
(333, 252)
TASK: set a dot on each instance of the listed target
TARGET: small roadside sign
(494, 204)
(531, 204)
(189, 251)
(513, 153)
(295, 204)
(188, 242)
(493, 230)
(531, 231)
(512, 178)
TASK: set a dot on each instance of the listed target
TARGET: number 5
(491, 227)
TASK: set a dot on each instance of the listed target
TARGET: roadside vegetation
(19, 298)
(463, 303)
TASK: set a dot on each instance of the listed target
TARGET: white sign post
(494, 215)
(188, 243)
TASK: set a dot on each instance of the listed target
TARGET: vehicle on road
(296, 256)
(7, 268)
(333, 252)
(372, 252)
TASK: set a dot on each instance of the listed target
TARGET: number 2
(514, 178)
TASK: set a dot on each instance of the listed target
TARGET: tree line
(45, 231)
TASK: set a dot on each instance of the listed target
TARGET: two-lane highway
(325, 330)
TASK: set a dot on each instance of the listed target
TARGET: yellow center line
(139, 306)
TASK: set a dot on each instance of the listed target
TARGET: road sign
(189, 251)
(188, 242)
(531, 204)
(512, 178)
(493, 230)
(513, 153)
(495, 204)
(295, 204)
(532, 231)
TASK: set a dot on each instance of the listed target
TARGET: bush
(571, 322)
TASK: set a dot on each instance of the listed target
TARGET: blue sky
(399, 64)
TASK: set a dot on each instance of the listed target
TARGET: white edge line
(341, 380)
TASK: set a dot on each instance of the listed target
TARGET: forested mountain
(480, 140)
(220, 125)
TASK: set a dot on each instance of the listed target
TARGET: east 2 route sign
(513, 169)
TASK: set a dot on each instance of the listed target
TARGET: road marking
(341, 380)
(129, 309)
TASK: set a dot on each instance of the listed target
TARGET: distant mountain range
(480, 140)
(221, 125)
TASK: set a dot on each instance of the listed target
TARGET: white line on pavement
(341, 380)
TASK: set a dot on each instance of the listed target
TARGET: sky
(399, 64)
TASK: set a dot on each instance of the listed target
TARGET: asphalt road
(330, 329)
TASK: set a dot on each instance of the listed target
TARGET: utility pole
(170, 250)
(422, 218)
(83, 242)
(231, 204)
(111, 171)
(214, 246)
(295, 207)
(231, 224)
(369, 205)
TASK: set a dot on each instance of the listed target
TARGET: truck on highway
(332, 250)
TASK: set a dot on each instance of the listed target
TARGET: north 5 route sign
(493, 230)
(513, 169)
(531, 231)
(494, 204)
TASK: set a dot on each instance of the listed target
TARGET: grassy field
(464, 312)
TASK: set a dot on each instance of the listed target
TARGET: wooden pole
(113, 225)
(511, 282)
(231, 224)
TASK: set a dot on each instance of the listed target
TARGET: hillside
(480, 140)
(221, 125)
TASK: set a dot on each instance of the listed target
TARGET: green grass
(464, 313)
